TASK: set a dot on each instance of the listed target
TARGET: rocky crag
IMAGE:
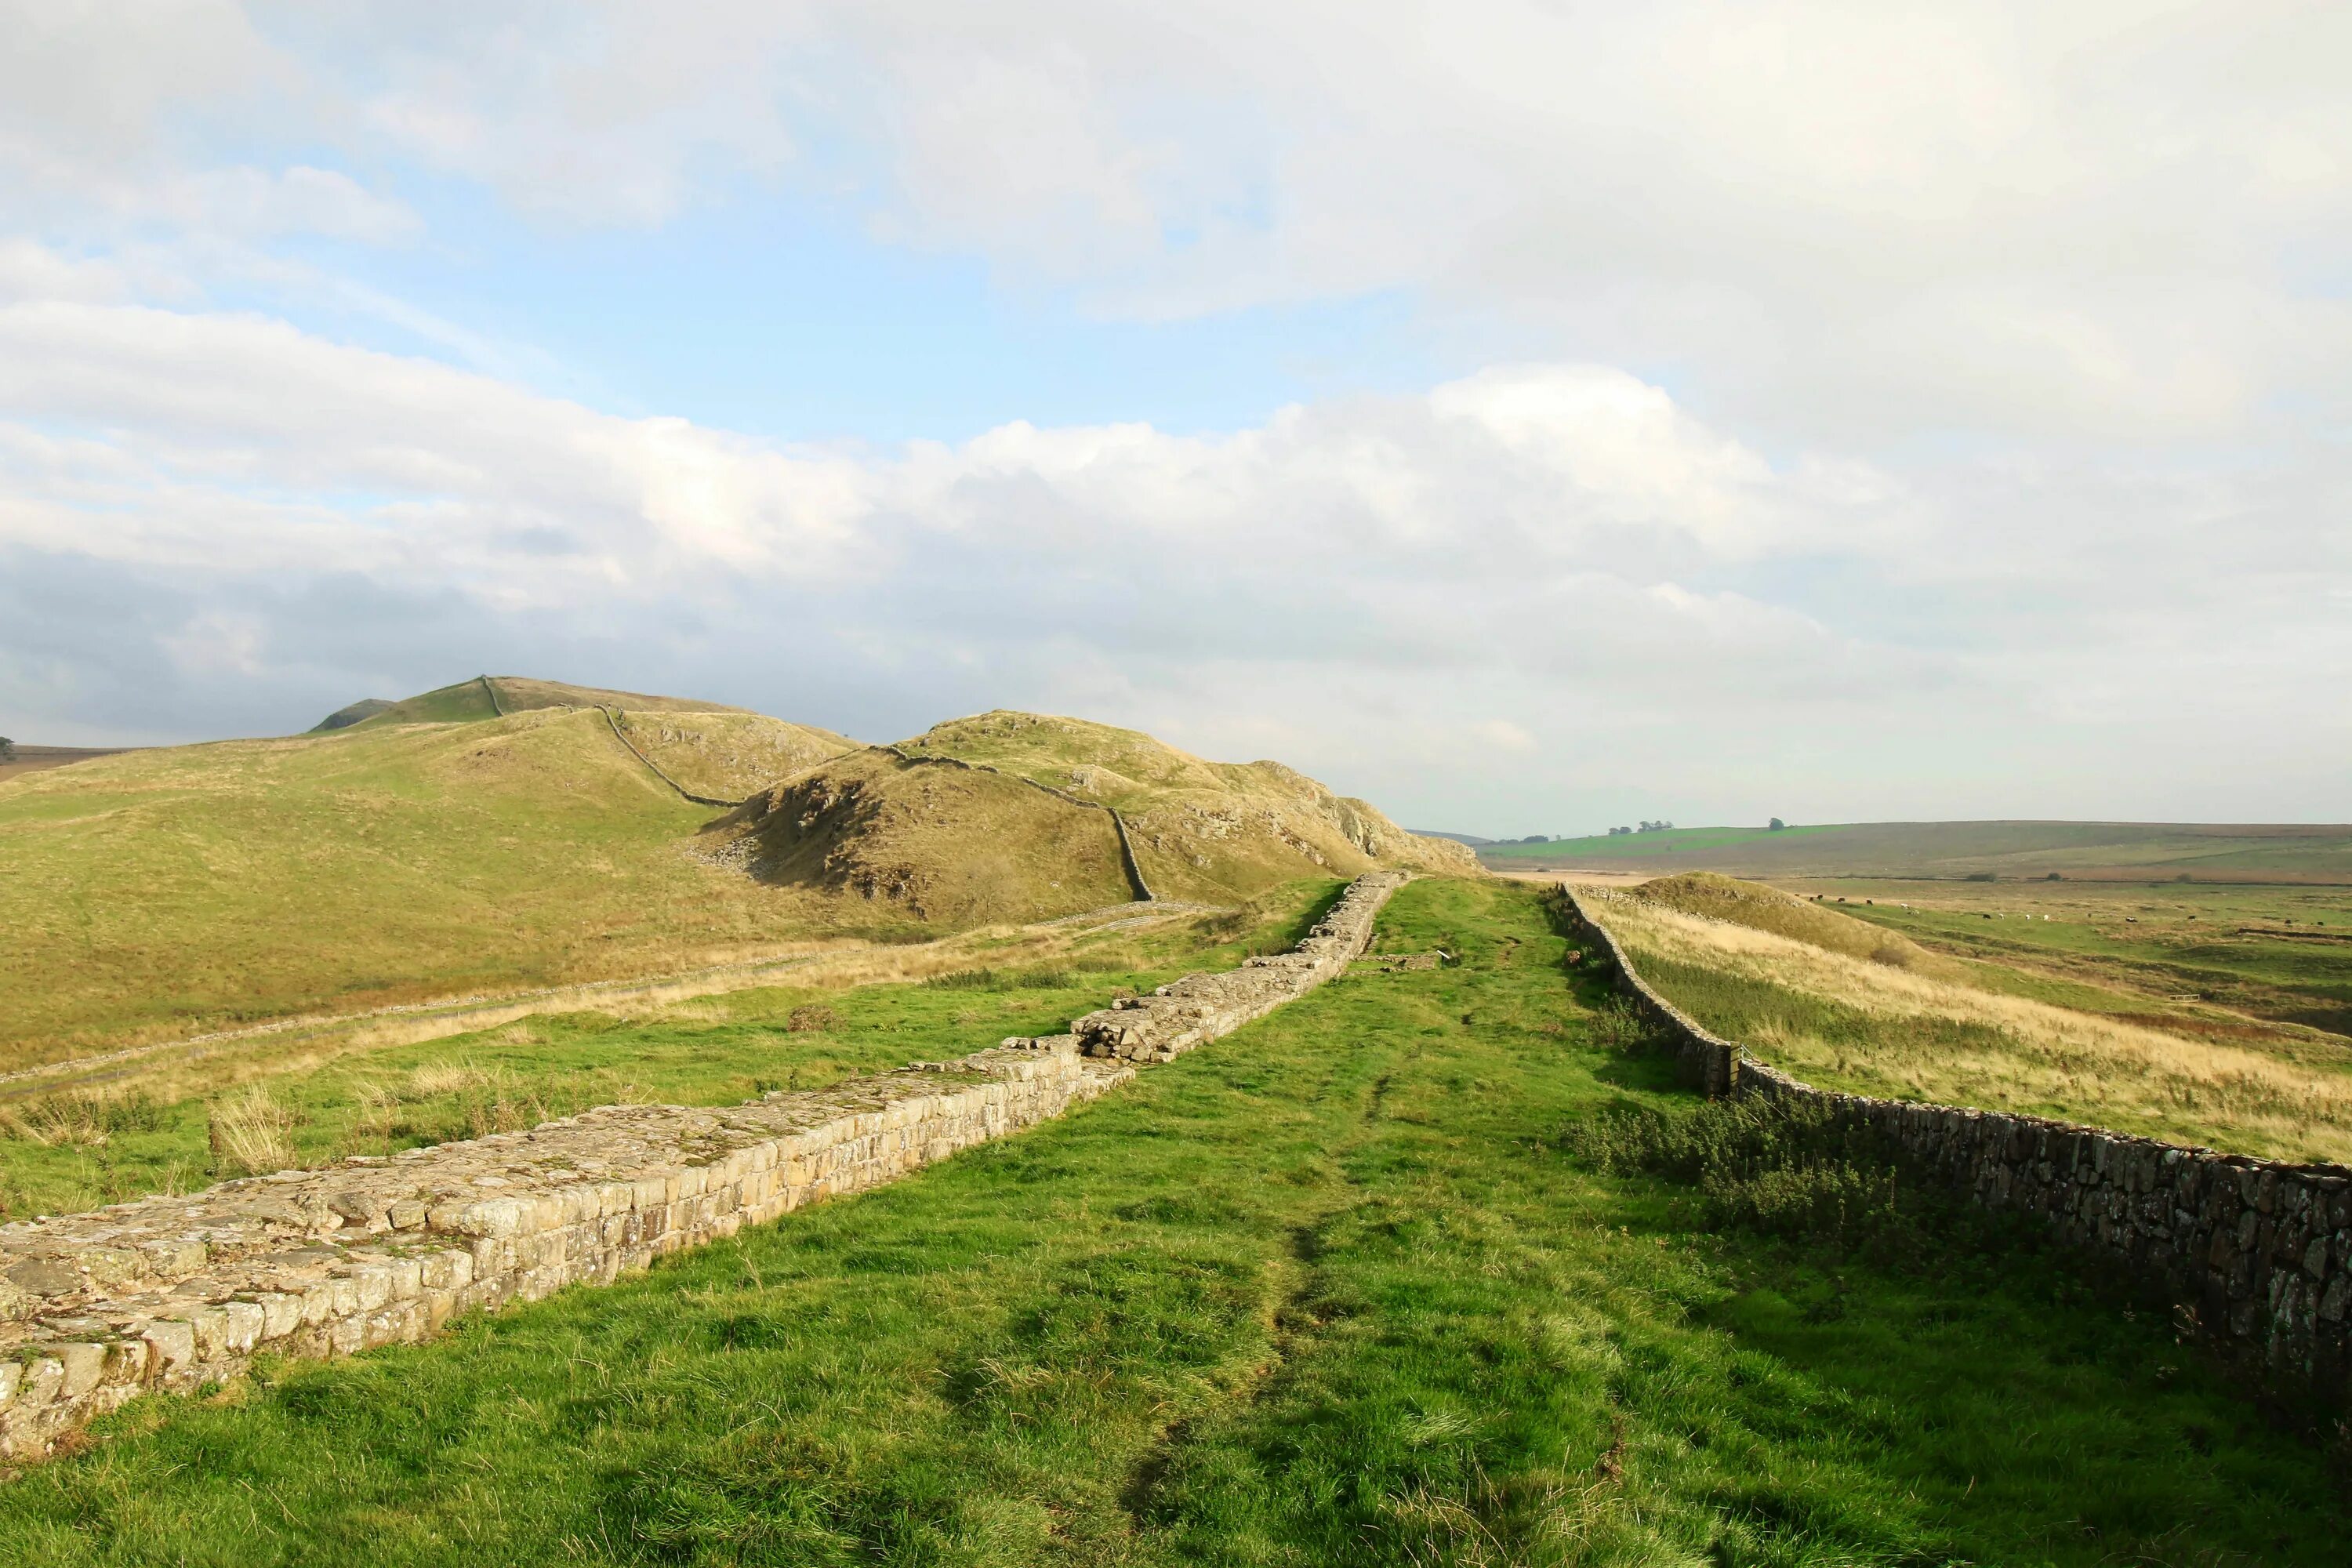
(176, 1292)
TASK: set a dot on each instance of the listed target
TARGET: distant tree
(1777, 824)
(7, 750)
(1615, 831)
(1537, 838)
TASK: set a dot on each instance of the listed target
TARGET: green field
(149, 1131)
(2022, 997)
(1354, 1285)
(2108, 850)
(2278, 952)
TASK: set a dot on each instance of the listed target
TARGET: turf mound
(1201, 829)
(1752, 904)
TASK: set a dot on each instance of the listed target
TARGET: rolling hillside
(400, 859)
(165, 892)
(2138, 851)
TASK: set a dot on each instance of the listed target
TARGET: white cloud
(1560, 543)
(1980, 432)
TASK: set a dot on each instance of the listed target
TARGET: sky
(1532, 417)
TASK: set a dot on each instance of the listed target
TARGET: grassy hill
(491, 696)
(163, 892)
(1716, 896)
(2108, 850)
(434, 850)
(947, 845)
(1201, 829)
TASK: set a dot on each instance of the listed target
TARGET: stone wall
(1172, 1020)
(175, 1293)
(2255, 1255)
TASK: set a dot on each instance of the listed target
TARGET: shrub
(1615, 1026)
(811, 1018)
(964, 979)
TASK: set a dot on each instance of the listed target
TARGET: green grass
(2238, 948)
(169, 892)
(2115, 850)
(1331, 1291)
(74, 1149)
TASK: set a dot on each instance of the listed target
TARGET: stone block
(84, 1367)
(171, 1347)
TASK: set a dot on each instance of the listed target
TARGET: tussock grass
(1326, 1292)
(1845, 1022)
(79, 1120)
(251, 1133)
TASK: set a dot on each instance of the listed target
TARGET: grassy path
(1325, 1292)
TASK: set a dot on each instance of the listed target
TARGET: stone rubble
(177, 1292)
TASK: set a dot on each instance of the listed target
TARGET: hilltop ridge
(496, 696)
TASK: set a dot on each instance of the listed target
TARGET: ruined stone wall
(1199, 1007)
(174, 1292)
(2255, 1255)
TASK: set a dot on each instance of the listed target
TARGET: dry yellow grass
(251, 1132)
(2011, 1052)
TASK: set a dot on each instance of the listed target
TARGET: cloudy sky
(1531, 416)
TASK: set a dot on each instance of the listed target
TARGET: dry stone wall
(175, 1293)
(2255, 1255)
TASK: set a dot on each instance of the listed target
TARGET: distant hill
(2089, 850)
(350, 713)
(159, 893)
(999, 816)
(30, 759)
(1199, 828)
(1472, 839)
(165, 891)
(493, 695)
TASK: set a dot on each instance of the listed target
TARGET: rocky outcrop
(175, 1293)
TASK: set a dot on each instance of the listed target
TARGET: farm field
(2276, 952)
(166, 1125)
(2129, 851)
(1844, 997)
(1348, 1287)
